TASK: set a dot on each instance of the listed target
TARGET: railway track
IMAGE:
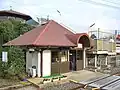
(65, 86)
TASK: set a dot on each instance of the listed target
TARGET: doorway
(72, 59)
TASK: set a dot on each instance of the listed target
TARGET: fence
(103, 41)
(103, 61)
(118, 60)
(112, 61)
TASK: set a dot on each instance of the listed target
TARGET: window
(54, 56)
(57, 56)
(64, 56)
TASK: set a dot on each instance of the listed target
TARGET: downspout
(41, 64)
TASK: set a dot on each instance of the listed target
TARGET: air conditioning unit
(32, 72)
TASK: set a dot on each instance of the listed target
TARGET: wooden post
(95, 60)
(84, 57)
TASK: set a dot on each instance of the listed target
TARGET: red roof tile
(75, 37)
(118, 37)
(50, 34)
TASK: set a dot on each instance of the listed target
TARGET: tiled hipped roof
(50, 34)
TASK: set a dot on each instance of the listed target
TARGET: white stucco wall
(33, 59)
(39, 63)
(28, 60)
(46, 63)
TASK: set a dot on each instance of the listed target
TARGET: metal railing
(103, 41)
(100, 45)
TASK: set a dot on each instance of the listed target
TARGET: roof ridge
(68, 28)
(42, 33)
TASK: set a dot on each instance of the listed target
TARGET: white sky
(75, 14)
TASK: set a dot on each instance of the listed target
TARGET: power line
(93, 2)
(115, 2)
(98, 3)
(118, 3)
(101, 4)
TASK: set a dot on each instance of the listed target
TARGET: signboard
(118, 41)
(4, 56)
(118, 49)
(79, 45)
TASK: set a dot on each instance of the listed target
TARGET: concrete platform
(75, 76)
(78, 76)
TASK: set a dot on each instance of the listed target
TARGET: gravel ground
(27, 88)
(111, 71)
(64, 86)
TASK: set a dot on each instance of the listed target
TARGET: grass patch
(54, 76)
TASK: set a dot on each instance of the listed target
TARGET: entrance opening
(72, 58)
(84, 40)
(77, 56)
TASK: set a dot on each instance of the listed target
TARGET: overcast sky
(76, 14)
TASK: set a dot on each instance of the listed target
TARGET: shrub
(15, 64)
(15, 67)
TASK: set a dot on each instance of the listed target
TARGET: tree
(10, 29)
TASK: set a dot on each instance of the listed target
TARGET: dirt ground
(7, 82)
(27, 88)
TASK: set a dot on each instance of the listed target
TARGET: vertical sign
(80, 45)
(4, 56)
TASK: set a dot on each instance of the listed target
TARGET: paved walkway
(74, 76)
(82, 75)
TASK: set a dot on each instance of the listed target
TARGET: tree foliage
(10, 29)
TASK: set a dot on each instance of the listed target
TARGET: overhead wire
(114, 2)
(95, 3)
(111, 2)
(99, 3)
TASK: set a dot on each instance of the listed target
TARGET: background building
(11, 14)
(103, 52)
(7, 14)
